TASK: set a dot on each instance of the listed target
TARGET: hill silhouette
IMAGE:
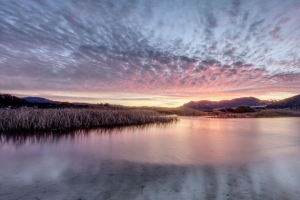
(40, 100)
(210, 105)
(13, 101)
(7, 100)
(291, 102)
(10, 101)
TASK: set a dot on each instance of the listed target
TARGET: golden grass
(51, 119)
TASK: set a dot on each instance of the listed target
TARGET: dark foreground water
(196, 158)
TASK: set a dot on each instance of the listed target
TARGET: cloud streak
(150, 47)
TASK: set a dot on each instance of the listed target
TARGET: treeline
(239, 109)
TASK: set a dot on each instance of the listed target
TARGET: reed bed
(52, 119)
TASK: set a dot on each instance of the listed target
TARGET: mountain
(210, 105)
(9, 100)
(292, 102)
(40, 100)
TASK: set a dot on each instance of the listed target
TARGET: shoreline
(247, 117)
(67, 119)
(271, 113)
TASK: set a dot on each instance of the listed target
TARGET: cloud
(149, 47)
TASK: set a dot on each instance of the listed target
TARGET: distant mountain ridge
(40, 100)
(7, 100)
(210, 105)
(10, 101)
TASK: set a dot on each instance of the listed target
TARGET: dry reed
(51, 119)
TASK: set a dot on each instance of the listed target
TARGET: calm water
(196, 158)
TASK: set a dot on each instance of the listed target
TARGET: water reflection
(196, 158)
(24, 138)
(127, 180)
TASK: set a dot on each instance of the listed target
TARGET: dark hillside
(7, 100)
(292, 102)
(210, 105)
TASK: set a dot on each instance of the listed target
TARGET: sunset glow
(155, 53)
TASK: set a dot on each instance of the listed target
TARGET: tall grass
(50, 119)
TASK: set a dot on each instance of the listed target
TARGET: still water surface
(195, 158)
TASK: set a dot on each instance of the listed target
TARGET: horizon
(150, 53)
(140, 105)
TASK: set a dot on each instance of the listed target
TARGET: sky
(149, 52)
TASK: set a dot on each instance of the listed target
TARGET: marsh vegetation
(173, 111)
(51, 119)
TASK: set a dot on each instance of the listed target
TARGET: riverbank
(171, 111)
(60, 119)
(223, 113)
(269, 113)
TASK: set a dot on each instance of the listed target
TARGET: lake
(195, 158)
